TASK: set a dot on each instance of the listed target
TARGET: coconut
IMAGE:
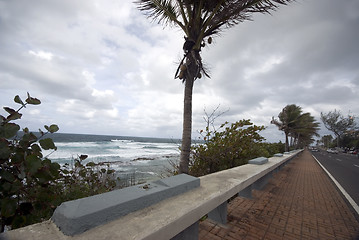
(181, 75)
(183, 67)
(209, 40)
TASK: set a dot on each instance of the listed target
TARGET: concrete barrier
(176, 217)
(77, 216)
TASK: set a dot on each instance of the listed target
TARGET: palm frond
(232, 12)
(163, 11)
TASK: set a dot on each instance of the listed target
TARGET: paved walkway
(300, 202)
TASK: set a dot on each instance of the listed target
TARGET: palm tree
(288, 118)
(301, 127)
(305, 128)
(199, 20)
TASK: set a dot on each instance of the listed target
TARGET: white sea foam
(125, 156)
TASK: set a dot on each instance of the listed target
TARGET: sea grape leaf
(82, 173)
(15, 187)
(31, 100)
(82, 157)
(8, 176)
(17, 99)
(52, 168)
(33, 164)
(29, 137)
(9, 130)
(53, 128)
(43, 176)
(4, 149)
(47, 144)
(55, 169)
(41, 132)
(22, 174)
(14, 116)
(46, 162)
(5, 187)
(26, 130)
(18, 157)
(36, 148)
(9, 110)
(8, 207)
(90, 164)
(77, 163)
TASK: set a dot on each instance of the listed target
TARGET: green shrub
(82, 180)
(31, 186)
(272, 148)
(231, 147)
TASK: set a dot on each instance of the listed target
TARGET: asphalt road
(344, 168)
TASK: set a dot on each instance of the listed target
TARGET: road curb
(346, 195)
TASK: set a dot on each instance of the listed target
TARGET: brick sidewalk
(300, 202)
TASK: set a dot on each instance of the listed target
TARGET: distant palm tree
(301, 127)
(288, 118)
(304, 131)
(199, 20)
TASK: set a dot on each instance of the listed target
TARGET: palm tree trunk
(297, 144)
(187, 125)
(286, 142)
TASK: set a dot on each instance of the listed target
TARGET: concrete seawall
(171, 210)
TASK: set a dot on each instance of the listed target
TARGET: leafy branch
(31, 186)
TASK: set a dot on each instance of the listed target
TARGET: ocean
(139, 157)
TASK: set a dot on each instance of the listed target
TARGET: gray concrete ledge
(74, 217)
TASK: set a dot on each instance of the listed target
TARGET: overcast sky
(101, 67)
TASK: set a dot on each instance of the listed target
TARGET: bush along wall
(31, 185)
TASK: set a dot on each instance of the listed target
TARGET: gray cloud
(92, 62)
